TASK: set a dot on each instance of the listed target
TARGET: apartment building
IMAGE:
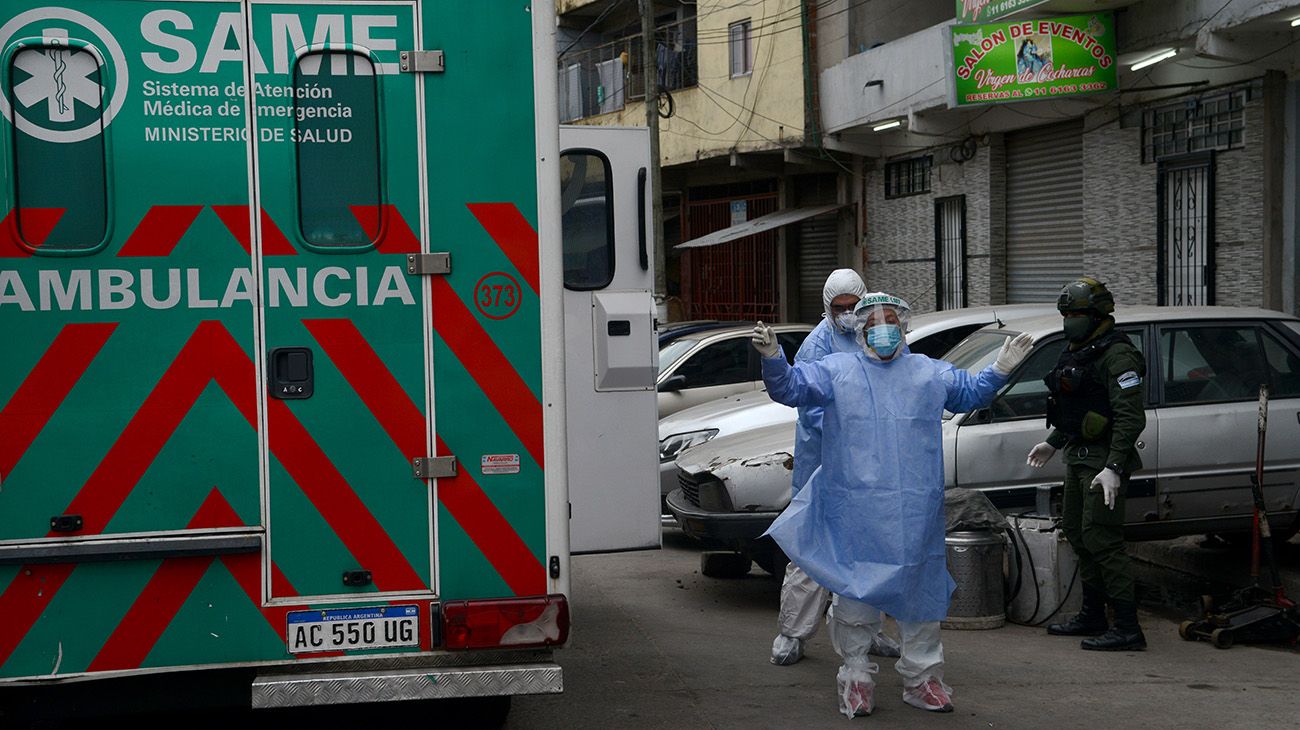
(763, 209)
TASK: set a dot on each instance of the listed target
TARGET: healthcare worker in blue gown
(803, 601)
(869, 524)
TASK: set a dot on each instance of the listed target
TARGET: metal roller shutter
(818, 257)
(1044, 211)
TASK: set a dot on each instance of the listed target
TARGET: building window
(59, 165)
(908, 177)
(339, 188)
(742, 63)
(1210, 123)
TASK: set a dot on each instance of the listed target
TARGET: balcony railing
(603, 78)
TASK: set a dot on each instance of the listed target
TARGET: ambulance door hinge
(422, 62)
(434, 467)
(427, 264)
(555, 566)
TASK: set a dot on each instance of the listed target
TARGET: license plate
(353, 628)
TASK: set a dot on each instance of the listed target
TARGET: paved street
(656, 644)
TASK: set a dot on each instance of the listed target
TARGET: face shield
(882, 323)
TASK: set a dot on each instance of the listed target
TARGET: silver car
(707, 365)
(1204, 367)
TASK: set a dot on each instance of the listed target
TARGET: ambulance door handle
(291, 375)
(643, 252)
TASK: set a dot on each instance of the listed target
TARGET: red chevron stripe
(150, 614)
(235, 218)
(491, 532)
(397, 236)
(360, 365)
(494, 536)
(355, 525)
(45, 387)
(210, 353)
(25, 599)
(514, 234)
(162, 228)
(484, 361)
(37, 223)
(172, 585)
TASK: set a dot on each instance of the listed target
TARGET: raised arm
(805, 384)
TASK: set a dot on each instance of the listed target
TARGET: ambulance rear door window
(56, 92)
(337, 139)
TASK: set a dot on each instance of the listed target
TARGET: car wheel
(716, 564)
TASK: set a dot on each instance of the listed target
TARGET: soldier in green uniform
(1097, 413)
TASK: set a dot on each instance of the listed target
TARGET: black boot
(1089, 621)
(1125, 636)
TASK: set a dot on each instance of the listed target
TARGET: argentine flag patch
(1129, 379)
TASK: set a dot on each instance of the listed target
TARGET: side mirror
(978, 416)
(673, 384)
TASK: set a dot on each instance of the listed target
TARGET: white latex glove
(1108, 480)
(764, 341)
(1013, 352)
(1040, 455)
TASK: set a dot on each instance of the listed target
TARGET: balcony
(889, 81)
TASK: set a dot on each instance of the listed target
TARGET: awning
(758, 225)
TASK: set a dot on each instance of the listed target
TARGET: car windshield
(975, 353)
(673, 351)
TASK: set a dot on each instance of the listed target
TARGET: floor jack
(1254, 615)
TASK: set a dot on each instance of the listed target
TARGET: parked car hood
(751, 447)
(728, 415)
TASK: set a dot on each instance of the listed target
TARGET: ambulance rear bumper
(350, 687)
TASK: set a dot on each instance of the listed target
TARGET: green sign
(974, 11)
(1033, 59)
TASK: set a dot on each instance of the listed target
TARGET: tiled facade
(1121, 204)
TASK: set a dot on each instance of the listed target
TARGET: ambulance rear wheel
(721, 564)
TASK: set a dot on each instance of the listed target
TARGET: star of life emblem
(60, 93)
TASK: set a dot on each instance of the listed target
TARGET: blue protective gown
(825, 339)
(870, 524)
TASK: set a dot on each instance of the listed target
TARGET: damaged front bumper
(725, 528)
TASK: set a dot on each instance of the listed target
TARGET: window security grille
(908, 177)
(1212, 123)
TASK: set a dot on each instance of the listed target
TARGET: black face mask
(1077, 329)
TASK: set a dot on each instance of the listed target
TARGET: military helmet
(1086, 294)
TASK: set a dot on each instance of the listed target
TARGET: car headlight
(673, 445)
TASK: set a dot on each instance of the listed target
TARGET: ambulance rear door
(344, 322)
(610, 356)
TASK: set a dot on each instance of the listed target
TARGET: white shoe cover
(786, 651)
(857, 689)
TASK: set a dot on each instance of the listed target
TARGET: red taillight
(512, 622)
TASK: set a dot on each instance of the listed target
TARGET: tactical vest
(1077, 390)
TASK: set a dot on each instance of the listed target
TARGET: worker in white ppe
(869, 524)
(803, 602)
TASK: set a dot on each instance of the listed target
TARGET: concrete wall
(1121, 206)
(881, 21)
(761, 111)
(898, 245)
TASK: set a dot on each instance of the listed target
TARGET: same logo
(69, 74)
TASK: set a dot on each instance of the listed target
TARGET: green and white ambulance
(312, 340)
